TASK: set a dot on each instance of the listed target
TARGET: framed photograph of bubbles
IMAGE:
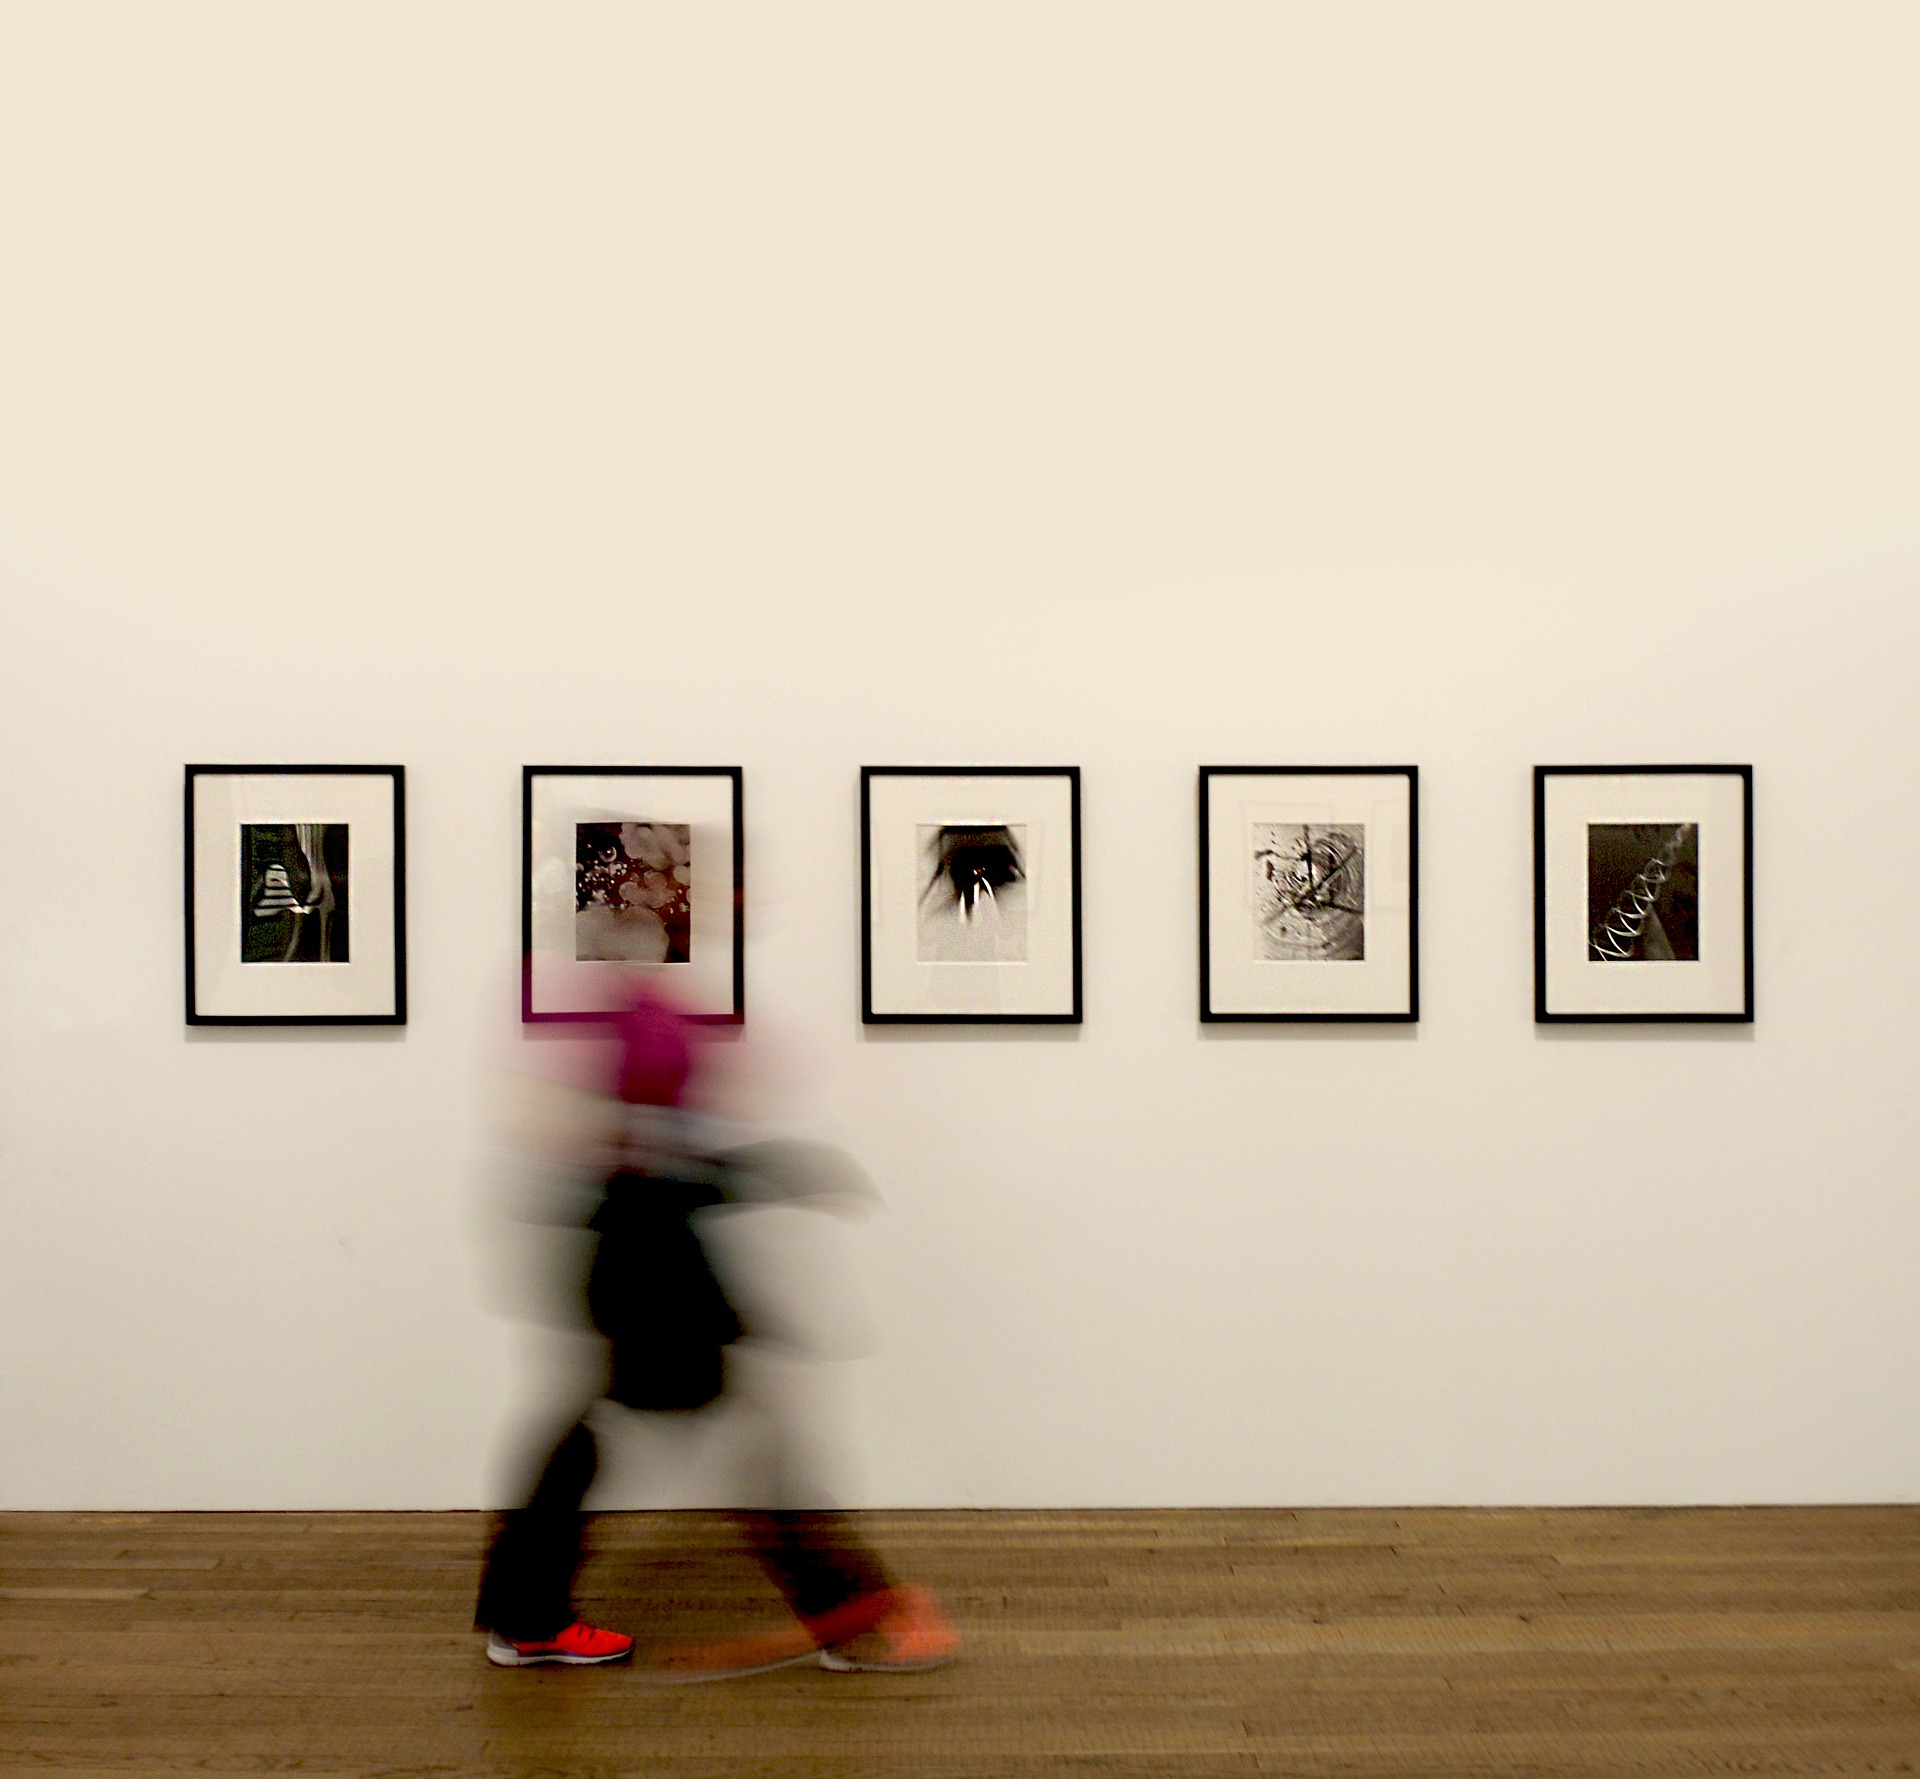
(1643, 893)
(1309, 893)
(631, 873)
(970, 895)
(296, 895)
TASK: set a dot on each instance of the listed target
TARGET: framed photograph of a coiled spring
(1643, 894)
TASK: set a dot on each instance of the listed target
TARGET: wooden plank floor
(1421, 1643)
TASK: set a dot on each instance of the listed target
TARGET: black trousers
(526, 1590)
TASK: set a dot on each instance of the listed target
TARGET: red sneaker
(913, 1635)
(578, 1646)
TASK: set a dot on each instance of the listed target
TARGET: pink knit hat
(655, 1057)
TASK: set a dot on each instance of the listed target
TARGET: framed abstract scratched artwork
(1309, 893)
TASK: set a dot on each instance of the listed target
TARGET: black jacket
(653, 1293)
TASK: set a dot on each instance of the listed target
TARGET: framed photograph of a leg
(1309, 893)
(628, 874)
(1643, 893)
(970, 895)
(296, 895)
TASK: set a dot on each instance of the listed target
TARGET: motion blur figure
(652, 1292)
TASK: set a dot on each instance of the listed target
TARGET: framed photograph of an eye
(970, 895)
(296, 907)
(1309, 893)
(1643, 893)
(630, 874)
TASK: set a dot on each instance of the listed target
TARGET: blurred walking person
(651, 1290)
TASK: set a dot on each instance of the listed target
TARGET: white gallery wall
(1133, 387)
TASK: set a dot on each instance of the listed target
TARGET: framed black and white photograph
(629, 874)
(1309, 893)
(296, 895)
(970, 894)
(1643, 893)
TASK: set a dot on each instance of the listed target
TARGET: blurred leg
(817, 1560)
(526, 1591)
(811, 1552)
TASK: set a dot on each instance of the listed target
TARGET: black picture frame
(198, 873)
(731, 1006)
(1065, 972)
(1405, 1009)
(1550, 918)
